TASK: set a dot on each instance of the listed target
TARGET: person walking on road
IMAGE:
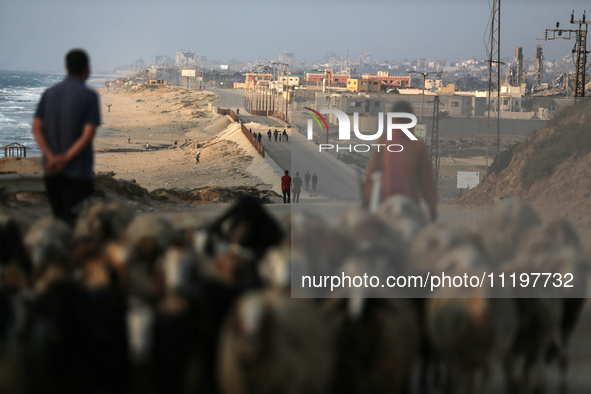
(269, 134)
(197, 158)
(314, 181)
(297, 187)
(259, 138)
(307, 180)
(279, 137)
(285, 187)
(275, 134)
(237, 111)
(284, 135)
(64, 126)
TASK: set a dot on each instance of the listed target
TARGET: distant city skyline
(36, 34)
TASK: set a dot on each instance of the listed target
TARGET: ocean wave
(5, 119)
(13, 108)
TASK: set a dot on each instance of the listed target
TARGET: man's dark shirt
(65, 109)
(297, 184)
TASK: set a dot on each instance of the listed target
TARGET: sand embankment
(177, 124)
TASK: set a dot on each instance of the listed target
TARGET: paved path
(335, 180)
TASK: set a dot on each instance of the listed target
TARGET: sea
(19, 94)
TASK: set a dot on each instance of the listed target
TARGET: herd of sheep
(126, 303)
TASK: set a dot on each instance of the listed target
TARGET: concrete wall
(463, 126)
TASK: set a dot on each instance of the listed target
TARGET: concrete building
(290, 80)
(385, 78)
(162, 60)
(365, 58)
(186, 57)
(356, 85)
(287, 57)
(329, 76)
(253, 79)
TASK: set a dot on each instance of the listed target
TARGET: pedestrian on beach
(129, 140)
(297, 187)
(307, 180)
(197, 157)
(269, 134)
(147, 145)
(275, 134)
(285, 186)
(407, 172)
(64, 127)
(314, 181)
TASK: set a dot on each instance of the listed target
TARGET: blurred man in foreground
(64, 126)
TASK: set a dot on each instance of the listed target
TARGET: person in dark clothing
(297, 187)
(314, 181)
(285, 136)
(285, 187)
(197, 158)
(64, 127)
(275, 134)
(307, 180)
(259, 138)
(269, 134)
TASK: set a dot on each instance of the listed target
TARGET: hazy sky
(35, 34)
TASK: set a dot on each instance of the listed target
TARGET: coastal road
(335, 180)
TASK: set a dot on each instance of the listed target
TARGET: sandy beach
(177, 124)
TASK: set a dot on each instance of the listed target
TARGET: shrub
(502, 161)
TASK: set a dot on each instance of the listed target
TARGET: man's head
(402, 106)
(297, 174)
(77, 64)
(286, 172)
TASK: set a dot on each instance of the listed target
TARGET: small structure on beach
(15, 150)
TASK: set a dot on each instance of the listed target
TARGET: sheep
(470, 332)
(403, 216)
(271, 343)
(502, 227)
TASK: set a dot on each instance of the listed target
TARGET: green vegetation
(502, 161)
(570, 140)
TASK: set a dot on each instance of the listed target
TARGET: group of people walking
(289, 185)
(278, 135)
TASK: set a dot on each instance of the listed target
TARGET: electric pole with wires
(494, 78)
(580, 49)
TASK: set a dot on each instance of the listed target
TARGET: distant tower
(539, 65)
(520, 70)
(139, 64)
(365, 58)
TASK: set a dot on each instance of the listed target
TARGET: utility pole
(580, 49)
(435, 140)
(494, 77)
